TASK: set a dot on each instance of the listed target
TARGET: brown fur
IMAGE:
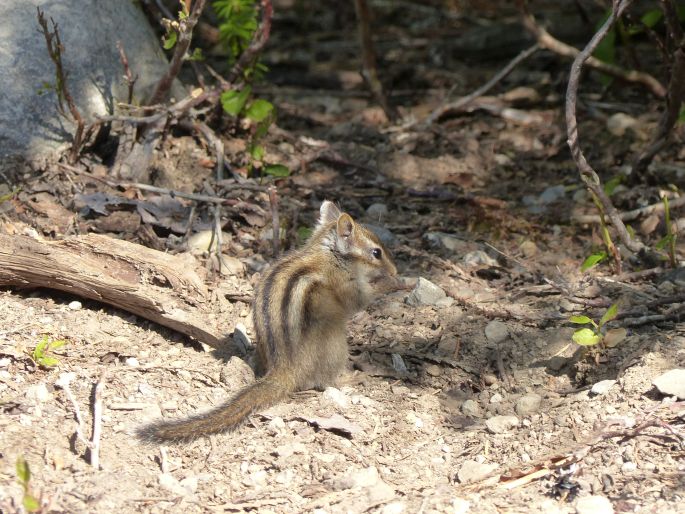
(300, 312)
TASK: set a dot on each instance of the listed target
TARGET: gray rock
(472, 471)
(496, 331)
(366, 477)
(501, 424)
(377, 211)
(478, 258)
(241, 339)
(528, 405)
(471, 408)
(594, 505)
(496, 398)
(386, 236)
(671, 383)
(446, 241)
(602, 387)
(31, 128)
(425, 293)
(335, 397)
(398, 363)
(552, 194)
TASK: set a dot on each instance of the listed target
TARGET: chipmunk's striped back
(300, 310)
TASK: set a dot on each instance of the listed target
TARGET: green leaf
(234, 101)
(197, 55)
(169, 40)
(303, 233)
(276, 170)
(610, 314)
(651, 18)
(39, 350)
(257, 152)
(57, 344)
(259, 110)
(262, 128)
(23, 471)
(585, 337)
(9, 195)
(31, 503)
(611, 185)
(606, 50)
(580, 320)
(48, 362)
(681, 116)
(593, 260)
(664, 242)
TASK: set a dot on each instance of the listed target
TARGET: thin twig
(635, 213)
(63, 381)
(216, 143)
(273, 202)
(55, 50)
(97, 421)
(587, 173)
(128, 76)
(458, 105)
(162, 190)
(185, 36)
(549, 42)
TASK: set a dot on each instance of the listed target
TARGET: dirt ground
(448, 402)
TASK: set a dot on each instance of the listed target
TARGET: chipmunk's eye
(377, 253)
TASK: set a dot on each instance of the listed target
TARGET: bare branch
(549, 42)
(587, 173)
(466, 100)
(128, 76)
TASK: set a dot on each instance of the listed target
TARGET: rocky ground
(466, 395)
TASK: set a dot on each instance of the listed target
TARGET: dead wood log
(153, 285)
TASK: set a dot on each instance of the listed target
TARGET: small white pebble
(132, 362)
(75, 305)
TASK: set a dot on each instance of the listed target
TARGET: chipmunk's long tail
(274, 386)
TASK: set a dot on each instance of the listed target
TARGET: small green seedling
(29, 501)
(262, 113)
(41, 354)
(593, 336)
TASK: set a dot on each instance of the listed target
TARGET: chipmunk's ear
(327, 213)
(345, 226)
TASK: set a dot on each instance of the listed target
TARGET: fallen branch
(549, 42)
(153, 285)
(466, 100)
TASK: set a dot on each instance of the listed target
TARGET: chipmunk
(300, 311)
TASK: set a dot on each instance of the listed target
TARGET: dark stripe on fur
(267, 322)
(286, 301)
